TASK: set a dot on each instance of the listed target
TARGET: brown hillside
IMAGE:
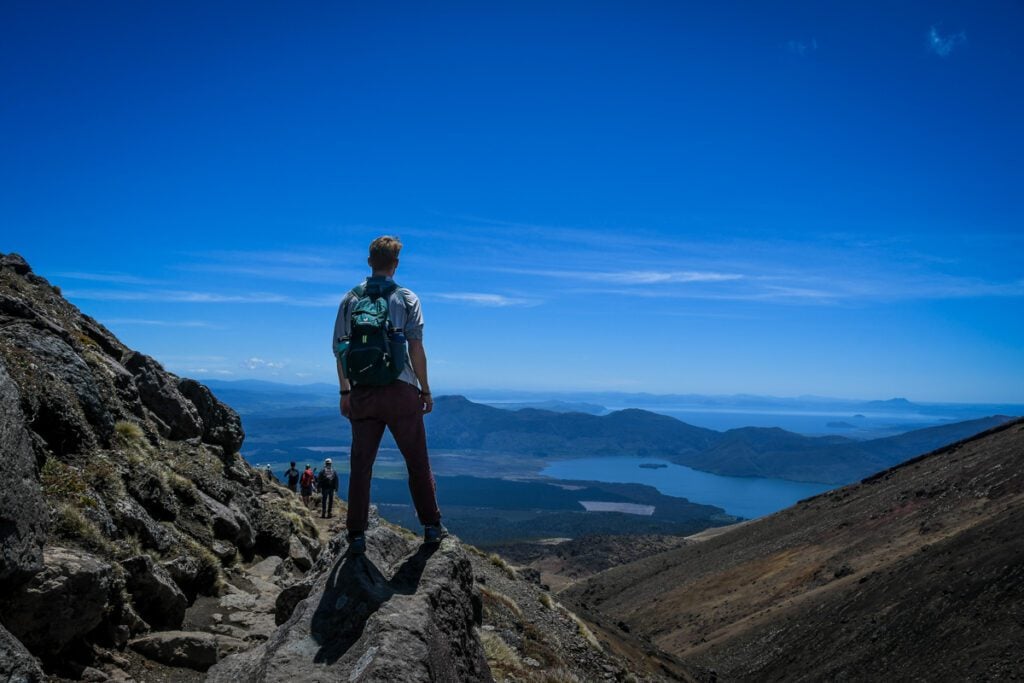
(914, 573)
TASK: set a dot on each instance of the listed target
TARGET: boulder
(15, 263)
(228, 523)
(184, 569)
(193, 649)
(273, 532)
(154, 593)
(401, 612)
(22, 510)
(63, 602)
(17, 665)
(225, 552)
(221, 425)
(66, 408)
(154, 495)
(298, 554)
(177, 418)
(133, 518)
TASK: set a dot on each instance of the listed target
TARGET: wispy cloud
(942, 45)
(489, 300)
(185, 296)
(802, 48)
(113, 278)
(631, 277)
(160, 323)
(256, 363)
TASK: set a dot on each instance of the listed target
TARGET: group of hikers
(308, 482)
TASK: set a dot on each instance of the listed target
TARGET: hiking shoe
(357, 545)
(433, 533)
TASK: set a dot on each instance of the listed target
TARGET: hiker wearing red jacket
(306, 485)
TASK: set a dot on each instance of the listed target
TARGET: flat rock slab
(193, 649)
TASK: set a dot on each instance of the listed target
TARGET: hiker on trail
(306, 485)
(382, 369)
(292, 475)
(327, 482)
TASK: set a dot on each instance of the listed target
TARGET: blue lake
(748, 497)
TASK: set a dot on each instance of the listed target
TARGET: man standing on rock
(382, 369)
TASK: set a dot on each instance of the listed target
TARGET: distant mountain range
(458, 424)
(253, 395)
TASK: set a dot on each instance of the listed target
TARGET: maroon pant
(398, 407)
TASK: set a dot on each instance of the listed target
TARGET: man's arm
(341, 331)
(418, 358)
(346, 404)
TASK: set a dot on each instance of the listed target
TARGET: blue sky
(740, 197)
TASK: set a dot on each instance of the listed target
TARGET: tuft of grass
(182, 487)
(492, 597)
(69, 523)
(500, 656)
(582, 628)
(129, 432)
(126, 547)
(104, 478)
(86, 340)
(64, 484)
(210, 567)
(546, 600)
(476, 551)
(499, 562)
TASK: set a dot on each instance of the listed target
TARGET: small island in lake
(653, 465)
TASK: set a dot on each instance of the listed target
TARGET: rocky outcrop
(404, 611)
(17, 665)
(173, 413)
(68, 598)
(124, 494)
(22, 513)
(155, 595)
(221, 425)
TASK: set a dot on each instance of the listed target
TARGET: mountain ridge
(462, 425)
(916, 570)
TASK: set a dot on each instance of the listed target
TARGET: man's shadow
(355, 590)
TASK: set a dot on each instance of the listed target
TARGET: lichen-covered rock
(401, 612)
(22, 513)
(66, 408)
(185, 570)
(132, 517)
(221, 425)
(17, 665)
(193, 649)
(175, 415)
(273, 532)
(155, 595)
(64, 601)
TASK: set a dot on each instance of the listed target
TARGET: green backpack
(374, 354)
